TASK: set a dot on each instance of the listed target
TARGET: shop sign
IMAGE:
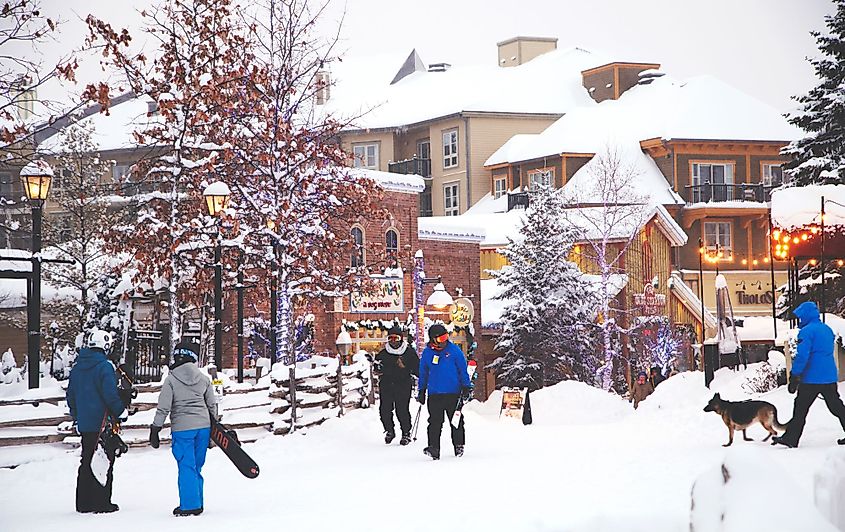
(461, 312)
(388, 297)
(752, 293)
(649, 302)
(513, 402)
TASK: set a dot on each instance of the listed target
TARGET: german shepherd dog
(739, 415)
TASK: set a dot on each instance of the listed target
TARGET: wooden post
(292, 395)
(339, 385)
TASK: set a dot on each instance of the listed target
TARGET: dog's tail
(778, 425)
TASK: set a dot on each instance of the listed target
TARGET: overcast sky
(759, 46)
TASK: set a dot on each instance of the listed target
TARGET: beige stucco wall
(384, 139)
(440, 175)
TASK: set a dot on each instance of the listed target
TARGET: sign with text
(461, 312)
(388, 297)
(650, 302)
(513, 402)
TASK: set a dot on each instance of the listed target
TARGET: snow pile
(574, 403)
(680, 392)
(829, 488)
(749, 491)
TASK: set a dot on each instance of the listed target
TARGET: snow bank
(749, 491)
(682, 391)
(576, 403)
(829, 488)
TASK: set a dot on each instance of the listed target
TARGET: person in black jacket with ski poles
(395, 365)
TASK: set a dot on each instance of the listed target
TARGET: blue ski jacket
(443, 371)
(814, 362)
(92, 389)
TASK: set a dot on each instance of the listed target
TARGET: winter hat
(395, 329)
(185, 350)
(436, 330)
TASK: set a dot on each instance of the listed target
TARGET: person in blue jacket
(91, 396)
(813, 372)
(443, 379)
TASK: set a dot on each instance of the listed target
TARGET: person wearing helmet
(395, 365)
(187, 396)
(443, 378)
(92, 395)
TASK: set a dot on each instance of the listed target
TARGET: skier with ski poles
(396, 364)
(443, 380)
(187, 395)
(92, 396)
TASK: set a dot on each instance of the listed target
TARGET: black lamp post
(217, 199)
(36, 178)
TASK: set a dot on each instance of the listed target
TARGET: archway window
(391, 241)
(358, 252)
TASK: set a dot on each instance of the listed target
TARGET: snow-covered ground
(589, 462)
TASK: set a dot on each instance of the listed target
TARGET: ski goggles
(394, 338)
(442, 339)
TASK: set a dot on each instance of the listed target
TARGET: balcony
(517, 200)
(719, 192)
(415, 165)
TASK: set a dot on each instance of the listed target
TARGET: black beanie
(186, 350)
(395, 329)
(436, 330)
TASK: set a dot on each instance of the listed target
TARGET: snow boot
(841, 442)
(388, 436)
(107, 509)
(406, 438)
(780, 440)
(179, 512)
(459, 450)
(432, 452)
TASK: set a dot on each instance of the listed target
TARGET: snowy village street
(588, 463)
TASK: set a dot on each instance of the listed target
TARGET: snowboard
(472, 366)
(228, 442)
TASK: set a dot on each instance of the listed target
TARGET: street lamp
(217, 199)
(343, 344)
(36, 177)
(440, 298)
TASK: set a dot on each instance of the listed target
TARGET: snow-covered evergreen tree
(819, 158)
(551, 306)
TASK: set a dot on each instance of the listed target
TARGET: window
(718, 234)
(358, 252)
(119, 172)
(424, 153)
(8, 190)
(391, 241)
(772, 175)
(365, 156)
(544, 177)
(500, 185)
(451, 201)
(450, 149)
(712, 182)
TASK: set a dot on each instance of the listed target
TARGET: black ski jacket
(397, 366)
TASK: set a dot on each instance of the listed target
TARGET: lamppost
(36, 178)
(344, 346)
(217, 199)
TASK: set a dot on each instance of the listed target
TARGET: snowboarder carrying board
(443, 378)
(93, 399)
(188, 397)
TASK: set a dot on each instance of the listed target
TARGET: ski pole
(417, 422)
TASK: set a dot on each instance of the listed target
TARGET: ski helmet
(186, 352)
(99, 339)
(438, 336)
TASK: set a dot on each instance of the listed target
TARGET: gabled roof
(422, 95)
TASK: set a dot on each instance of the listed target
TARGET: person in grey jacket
(188, 397)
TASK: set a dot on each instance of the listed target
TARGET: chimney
(323, 89)
(520, 50)
(610, 81)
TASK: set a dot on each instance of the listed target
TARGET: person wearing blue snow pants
(187, 396)
(189, 448)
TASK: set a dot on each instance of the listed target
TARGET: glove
(794, 380)
(466, 392)
(421, 397)
(154, 441)
(124, 416)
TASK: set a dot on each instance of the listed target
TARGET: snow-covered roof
(500, 226)
(448, 228)
(361, 92)
(796, 207)
(701, 108)
(408, 183)
(759, 328)
(112, 131)
(690, 299)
